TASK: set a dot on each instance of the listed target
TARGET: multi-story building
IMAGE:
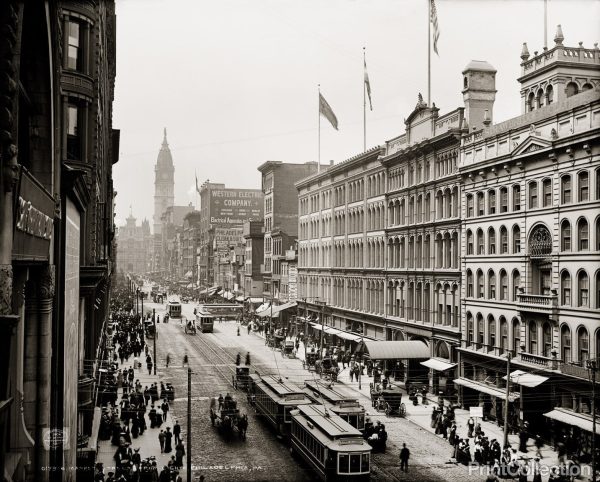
(164, 197)
(223, 212)
(57, 149)
(531, 246)
(191, 241)
(281, 212)
(341, 245)
(289, 275)
(134, 245)
(171, 227)
(253, 258)
(422, 232)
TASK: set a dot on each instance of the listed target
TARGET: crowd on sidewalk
(130, 408)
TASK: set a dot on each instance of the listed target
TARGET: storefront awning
(188, 274)
(571, 418)
(438, 364)
(483, 388)
(396, 350)
(526, 379)
(345, 335)
(227, 295)
(262, 309)
(240, 299)
(274, 312)
(255, 300)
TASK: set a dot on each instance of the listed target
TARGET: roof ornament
(165, 137)
(420, 102)
(559, 37)
(524, 52)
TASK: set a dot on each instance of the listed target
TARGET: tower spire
(165, 137)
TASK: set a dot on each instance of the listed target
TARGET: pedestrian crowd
(126, 417)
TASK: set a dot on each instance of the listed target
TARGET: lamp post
(137, 296)
(592, 366)
(155, 336)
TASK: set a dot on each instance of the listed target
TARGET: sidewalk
(148, 442)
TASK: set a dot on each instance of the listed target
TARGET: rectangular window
(492, 203)
(566, 190)
(584, 187)
(73, 133)
(74, 51)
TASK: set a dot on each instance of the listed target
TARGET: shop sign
(34, 220)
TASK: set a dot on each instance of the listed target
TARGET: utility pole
(508, 355)
(155, 335)
(305, 327)
(322, 303)
(189, 424)
(592, 367)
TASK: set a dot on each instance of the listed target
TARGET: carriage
(190, 326)
(310, 360)
(388, 400)
(328, 368)
(241, 380)
(149, 329)
(287, 349)
(227, 419)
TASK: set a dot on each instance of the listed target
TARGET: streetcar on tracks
(275, 399)
(334, 449)
(204, 321)
(337, 400)
(174, 307)
(224, 311)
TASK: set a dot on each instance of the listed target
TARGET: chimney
(479, 94)
(331, 162)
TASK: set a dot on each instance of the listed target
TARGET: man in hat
(161, 440)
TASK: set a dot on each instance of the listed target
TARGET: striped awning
(484, 388)
(571, 418)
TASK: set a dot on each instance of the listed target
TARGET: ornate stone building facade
(134, 247)
(531, 247)
(57, 148)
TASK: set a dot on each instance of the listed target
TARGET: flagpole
(319, 115)
(364, 104)
(545, 24)
(429, 53)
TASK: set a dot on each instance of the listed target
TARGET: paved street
(212, 357)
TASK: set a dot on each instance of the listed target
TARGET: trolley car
(174, 307)
(340, 402)
(205, 321)
(331, 446)
(226, 311)
(275, 399)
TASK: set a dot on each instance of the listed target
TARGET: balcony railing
(574, 370)
(539, 360)
(545, 304)
(489, 349)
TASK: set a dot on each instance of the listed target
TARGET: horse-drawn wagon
(226, 417)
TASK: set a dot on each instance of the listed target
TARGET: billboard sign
(232, 207)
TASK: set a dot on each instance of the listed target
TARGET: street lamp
(155, 336)
(137, 297)
(592, 366)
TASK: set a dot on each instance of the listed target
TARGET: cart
(392, 397)
(287, 349)
(327, 368)
(149, 329)
(241, 379)
(309, 362)
(190, 326)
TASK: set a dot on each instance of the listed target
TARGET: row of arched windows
(582, 241)
(493, 201)
(376, 184)
(532, 337)
(578, 294)
(491, 287)
(418, 209)
(414, 300)
(494, 244)
(417, 252)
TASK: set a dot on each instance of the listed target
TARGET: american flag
(436, 28)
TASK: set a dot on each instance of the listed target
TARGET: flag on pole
(368, 85)
(436, 28)
(197, 189)
(326, 111)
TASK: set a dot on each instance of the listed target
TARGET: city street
(212, 358)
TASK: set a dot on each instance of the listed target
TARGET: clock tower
(164, 193)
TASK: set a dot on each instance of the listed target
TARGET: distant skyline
(235, 81)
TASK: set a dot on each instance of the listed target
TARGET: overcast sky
(235, 81)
